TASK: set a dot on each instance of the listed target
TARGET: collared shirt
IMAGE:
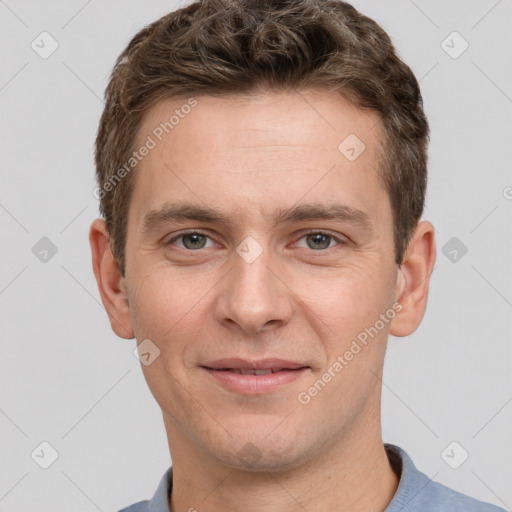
(416, 492)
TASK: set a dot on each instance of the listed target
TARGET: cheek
(174, 314)
(346, 298)
(170, 315)
(344, 310)
(157, 303)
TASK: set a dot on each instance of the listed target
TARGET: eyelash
(336, 238)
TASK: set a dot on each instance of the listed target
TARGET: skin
(250, 157)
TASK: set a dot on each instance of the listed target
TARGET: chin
(259, 454)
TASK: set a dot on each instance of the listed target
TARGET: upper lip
(234, 363)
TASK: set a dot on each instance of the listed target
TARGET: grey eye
(318, 241)
(194, 241)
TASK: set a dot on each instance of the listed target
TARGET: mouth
(243, 371)
(254, 377)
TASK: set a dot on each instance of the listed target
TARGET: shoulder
(160, 500)
(440, 497)
(140, 506)
(417, 492)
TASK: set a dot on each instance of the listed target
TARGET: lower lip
(255, 384)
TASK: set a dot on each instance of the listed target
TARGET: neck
(348, 476)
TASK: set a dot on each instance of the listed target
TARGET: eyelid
(184, 233)
(339, 238)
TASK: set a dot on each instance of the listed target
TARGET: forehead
(257, 148)
(260, 118)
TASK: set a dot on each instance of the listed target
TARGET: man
(262, 174)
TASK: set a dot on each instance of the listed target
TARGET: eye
(191, 241)
(318, 240)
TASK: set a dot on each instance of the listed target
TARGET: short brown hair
(223, 47)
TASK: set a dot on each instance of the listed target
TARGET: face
(258, 250)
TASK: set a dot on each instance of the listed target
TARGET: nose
(253, 297)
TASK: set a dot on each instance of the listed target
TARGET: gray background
(68, 380)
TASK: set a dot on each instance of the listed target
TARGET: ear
(111, 284)
(413, 280)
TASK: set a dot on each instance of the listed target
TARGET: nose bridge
(252, 296)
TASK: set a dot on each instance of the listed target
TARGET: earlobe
(413, 280)
(111, 284)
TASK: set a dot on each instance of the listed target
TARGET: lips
(248, 367)
(252, 377)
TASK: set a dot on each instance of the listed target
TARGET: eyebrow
(173, 212)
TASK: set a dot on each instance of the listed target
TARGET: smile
(254, 377)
